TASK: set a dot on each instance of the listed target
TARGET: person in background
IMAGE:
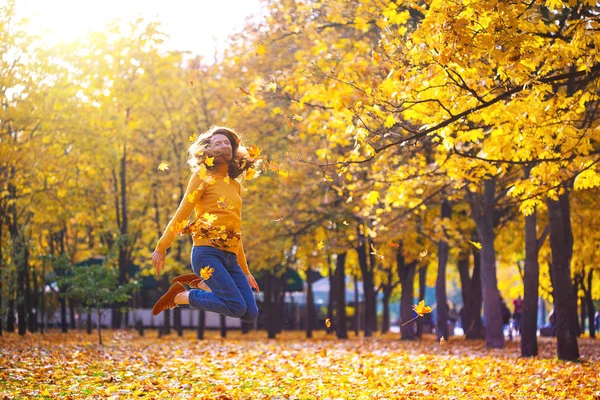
(517, 314)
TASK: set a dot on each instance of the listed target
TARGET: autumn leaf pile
(250, 366)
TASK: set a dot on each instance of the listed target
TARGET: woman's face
(219, 147)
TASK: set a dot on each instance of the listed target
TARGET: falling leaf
(209, 218)
(224, 203)
(320, 245)
(289, 122)
(250, 172)
(253, 151)
(376, 253)
(193, 137)
(163, 166)
(278, 219)
(376, 138)
(345, 222)
(328, 322)
(297, 117)
(261, 50)
(210, 161)
(226, 179)
(272, 86)
(476, 244)
(442, 341)
(396, 245)
(192, 197)
(421, 308)
(423, 254)
(247, 93)
(206, 272)
(282, 174)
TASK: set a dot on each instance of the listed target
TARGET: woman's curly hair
(240, 160)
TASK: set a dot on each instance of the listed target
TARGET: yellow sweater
(217, 201)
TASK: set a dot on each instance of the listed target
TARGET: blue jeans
(231, 293)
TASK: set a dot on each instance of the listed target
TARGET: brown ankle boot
(192, 281)
(168, 299)
(186, 279)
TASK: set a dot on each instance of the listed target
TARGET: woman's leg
(243, 287)
(225, 297)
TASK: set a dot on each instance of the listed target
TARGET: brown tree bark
(310, 304)
(565, 300)
(406, 274)
(440, 284)
(422, 288)
(531, 282)
(483, 212)
(341, 328)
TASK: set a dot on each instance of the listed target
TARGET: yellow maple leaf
(422, 254)
(345, 222)
(421, 308)
(209, 218)
(253, 151)
(328, 322)
(193, 137)
(210, 161)
(224, 203)
(442, 341)
(320, 245)
(206, 272)
(283, 174)
(226, 179)
(476, 244)
(260, 50)
(250, 173)
(163, 166)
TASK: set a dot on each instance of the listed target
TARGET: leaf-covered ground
(74, 366)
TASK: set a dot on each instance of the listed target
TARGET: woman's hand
(158, 260)
(252, 282)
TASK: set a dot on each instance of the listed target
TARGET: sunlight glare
(199, 26)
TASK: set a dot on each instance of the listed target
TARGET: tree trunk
(531, 283)
(332, 296)
(223, 323)
(99, 327)
(368, 289)
(483, 210)
(167, 322)
(565, 301)
(72, 313)
(341, 328)
(33, 326)
(590, 304)
(89, 321)
(582, 315)
(310, 304)
(357, 308)
(472, 298)
(422, 288)
(63, 313)
(387, 294)
(270, 304)
(406, 273)
(124, 254)
(201, 324)
(177, 321)
(440, 284)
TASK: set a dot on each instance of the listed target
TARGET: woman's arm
(241, 256)
(193, 193)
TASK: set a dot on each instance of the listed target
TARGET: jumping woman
(216, 158)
